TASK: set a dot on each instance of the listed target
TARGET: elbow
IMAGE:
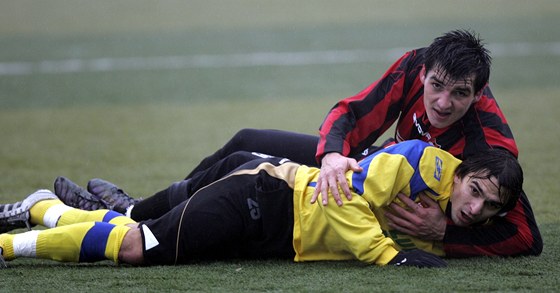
(537, 246)
(530, 245)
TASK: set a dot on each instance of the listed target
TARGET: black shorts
(247, 214)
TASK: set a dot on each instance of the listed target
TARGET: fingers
(402, 229)
(426, 220)
(345, 188)
(428, 202)
(315, 194)
(407, 201)
(330, 182)
(332, 178)
(354, 166)
(324, 185)
(402, 220)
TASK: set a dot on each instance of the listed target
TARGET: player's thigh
(220, 221)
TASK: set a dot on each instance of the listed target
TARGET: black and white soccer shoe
(16, 215)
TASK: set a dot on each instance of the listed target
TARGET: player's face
(446, 101)
(474, 200)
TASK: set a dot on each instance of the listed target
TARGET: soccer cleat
(16, 215)
(107, 192)
(75, 196)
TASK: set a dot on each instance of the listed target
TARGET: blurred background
(140, 91)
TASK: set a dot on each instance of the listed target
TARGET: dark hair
(460, 53)
(497, 163)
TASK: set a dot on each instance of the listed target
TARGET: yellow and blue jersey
(358, 229)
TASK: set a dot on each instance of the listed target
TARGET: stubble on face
(446, 100)
(474, 200)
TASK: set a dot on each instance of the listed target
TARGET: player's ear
(423, 74)
(478, 95)
(456, 179)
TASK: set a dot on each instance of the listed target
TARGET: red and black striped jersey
(355, 123)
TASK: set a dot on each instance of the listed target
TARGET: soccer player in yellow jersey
(262, 209)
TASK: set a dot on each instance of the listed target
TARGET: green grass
(147, 128)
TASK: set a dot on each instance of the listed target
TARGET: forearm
(356, 122)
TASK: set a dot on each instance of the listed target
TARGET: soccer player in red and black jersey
(438, 94)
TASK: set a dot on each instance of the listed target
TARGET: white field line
(248, 60)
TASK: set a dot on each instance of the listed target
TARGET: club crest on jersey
(439, 166)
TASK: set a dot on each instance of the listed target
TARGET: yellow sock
(7, 245)
(53, 213)
(82, 242)
(73, 216)
(39, 210)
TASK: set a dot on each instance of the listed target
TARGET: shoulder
(411, 151)
(408, 147)
(486, 103)
(437, 155)
(417, 151)
(413, 58)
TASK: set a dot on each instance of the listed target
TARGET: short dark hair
(497, 163)
(460, 53)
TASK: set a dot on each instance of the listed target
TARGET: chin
(437, 124)
(440, 124)
(458, 222)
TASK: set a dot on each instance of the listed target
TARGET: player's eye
(494, 205)
(462, 94)
(437, 85)
(474, 191)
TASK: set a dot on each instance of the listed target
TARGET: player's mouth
(465, 218)
(441, 115)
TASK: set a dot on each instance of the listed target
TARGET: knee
(242, 136)
(131, 248)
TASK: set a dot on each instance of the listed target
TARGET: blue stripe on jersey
(417, 185)
(111, 215)
(359, 178)
(412, 150)
(95, 241)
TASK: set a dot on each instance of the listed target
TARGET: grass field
(139, 92)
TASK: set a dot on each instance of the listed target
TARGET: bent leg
(246, 215)
(297, 147)
(53, 213)
(162, 202)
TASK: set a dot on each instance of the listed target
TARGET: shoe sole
(19, 217)
(29, 201)
(37, 196)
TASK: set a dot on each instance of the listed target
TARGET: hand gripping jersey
(355, 123)
(358, 229)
